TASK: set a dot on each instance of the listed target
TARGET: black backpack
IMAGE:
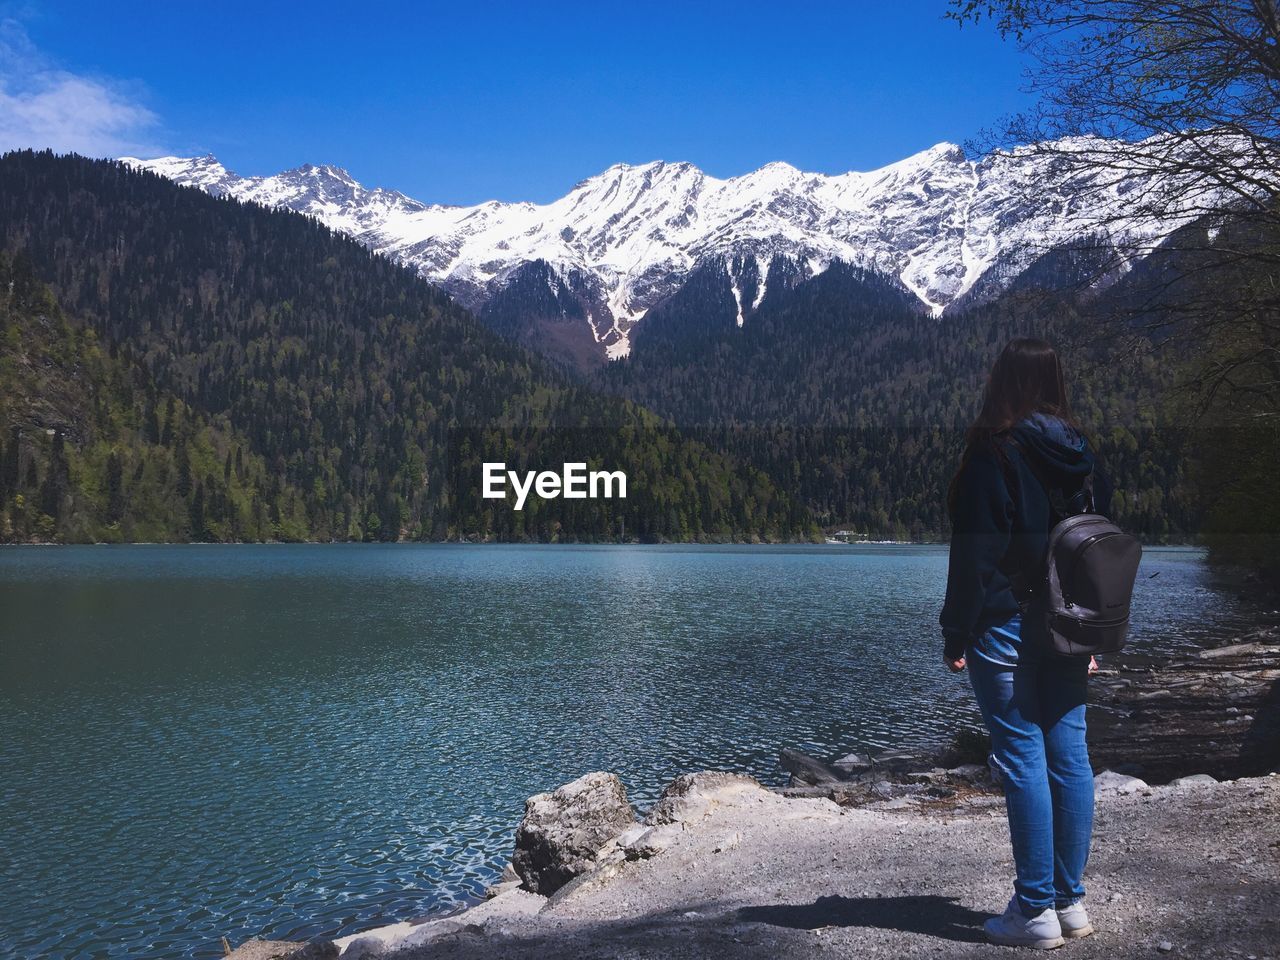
(1084, 591)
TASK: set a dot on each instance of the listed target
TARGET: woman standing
(1025, 463)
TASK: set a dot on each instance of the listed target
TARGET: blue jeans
(1034, 707)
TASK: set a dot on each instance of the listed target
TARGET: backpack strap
(1086, 487)
(1026, 587)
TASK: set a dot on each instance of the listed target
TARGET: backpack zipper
(1091, 622)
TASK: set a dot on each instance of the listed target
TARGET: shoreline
(722, 867)
(1156, 722)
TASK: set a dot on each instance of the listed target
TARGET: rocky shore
(1215, 712)
(905, 853)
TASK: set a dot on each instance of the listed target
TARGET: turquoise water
(289, 741)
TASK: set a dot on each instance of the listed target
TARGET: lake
(289, 741)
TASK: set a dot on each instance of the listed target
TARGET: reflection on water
(295, 740)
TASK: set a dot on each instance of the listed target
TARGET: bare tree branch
(1170, 111)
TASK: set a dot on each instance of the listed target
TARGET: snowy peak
(203, 172)
(323, 191)
(323, 171)
(626, 238)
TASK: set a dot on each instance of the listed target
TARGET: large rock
(691, 796)
(563, 830)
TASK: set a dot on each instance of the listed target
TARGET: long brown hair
(1026, 378)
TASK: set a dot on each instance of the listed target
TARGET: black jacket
(1001, 521)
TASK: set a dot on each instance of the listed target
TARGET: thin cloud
(42, 106)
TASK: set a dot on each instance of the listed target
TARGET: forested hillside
(197, 326)
(92, 450)
(856, 401)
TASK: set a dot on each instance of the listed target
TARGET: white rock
(728, 843)
(1196, 779)
(1112, 782)
(631, 834)
(649, 842)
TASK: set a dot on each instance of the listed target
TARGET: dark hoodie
(1001, 522)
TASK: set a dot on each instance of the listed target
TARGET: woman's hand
(1093, 665)
(955, 666)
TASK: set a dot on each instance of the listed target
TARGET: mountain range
(181, 366)
(575, 276)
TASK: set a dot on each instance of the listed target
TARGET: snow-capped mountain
(622, 241)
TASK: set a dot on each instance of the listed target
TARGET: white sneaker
(1075, 921)
(1012, 929)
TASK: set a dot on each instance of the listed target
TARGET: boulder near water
(562, 831)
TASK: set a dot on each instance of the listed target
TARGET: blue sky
(464, 102)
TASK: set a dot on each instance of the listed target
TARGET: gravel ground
(1176, 871)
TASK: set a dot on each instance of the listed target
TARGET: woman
(1024, 466)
